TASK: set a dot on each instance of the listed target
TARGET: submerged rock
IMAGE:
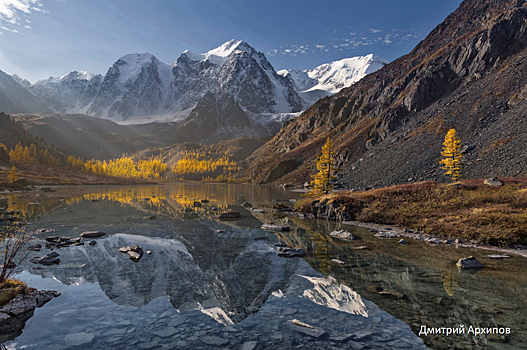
(281, 208)
(383, 234)
(342, 234)
(469, 263)
(48, 259)
(286, 252)
(272, 227)
(231, 215)
(497, 256)
(35, 248)
(247, 205)
(92, 234)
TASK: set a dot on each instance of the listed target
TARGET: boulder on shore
(493, 181)
(469, 263)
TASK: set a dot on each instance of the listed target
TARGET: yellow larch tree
(12, 176)
(451, 162)
(326, 166)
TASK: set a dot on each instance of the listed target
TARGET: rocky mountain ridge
(388, 128)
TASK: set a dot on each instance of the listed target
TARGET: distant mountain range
(138, 88)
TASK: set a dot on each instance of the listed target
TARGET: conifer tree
(451, 162)
(326, 166)
(12, 176)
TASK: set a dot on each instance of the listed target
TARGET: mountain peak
(139, 59)
(229, 47)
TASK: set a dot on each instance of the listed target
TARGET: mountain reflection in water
(206, 284)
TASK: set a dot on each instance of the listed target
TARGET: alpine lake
(214, 284)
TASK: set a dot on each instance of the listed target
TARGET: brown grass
(469, 210)
(10, 289)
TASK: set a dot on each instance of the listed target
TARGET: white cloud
(348, 43)
(12, 12)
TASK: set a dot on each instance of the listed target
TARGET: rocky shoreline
(407, 233)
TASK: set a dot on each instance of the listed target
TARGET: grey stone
(231, 215)
(402, 241)
(342, 234)
(286, 252)
(493, 181)
(92, 234)
(272, 227)
(35, 248)
(48, 259)
(469, 263)
(337, 261)
(384, 234)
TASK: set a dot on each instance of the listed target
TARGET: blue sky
(42, 38)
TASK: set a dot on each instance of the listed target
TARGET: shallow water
(204, 288)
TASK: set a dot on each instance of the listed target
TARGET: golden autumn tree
(451, 153)
(12, 176)
(326, 166)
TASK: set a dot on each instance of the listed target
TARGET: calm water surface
(211, 284)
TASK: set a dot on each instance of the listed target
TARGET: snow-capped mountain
(138, 88)
(70, 93)
(328, 79)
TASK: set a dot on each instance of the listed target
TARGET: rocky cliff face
(388, 128)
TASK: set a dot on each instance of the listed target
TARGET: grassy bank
(10, 289)
(469, 210)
